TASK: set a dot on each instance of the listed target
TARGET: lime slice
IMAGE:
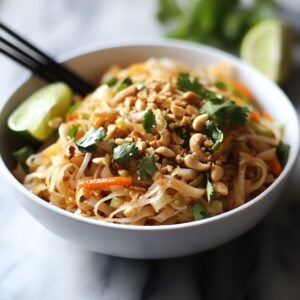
(268, 47)
(31, 118)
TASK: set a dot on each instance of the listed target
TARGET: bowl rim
(154, 42)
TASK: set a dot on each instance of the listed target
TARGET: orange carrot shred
(100, 120)
(71, 117)
(105, 182)
(267, 116)
(275, 166)
(254, 116)
(241, 88)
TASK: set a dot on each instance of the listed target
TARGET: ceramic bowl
(146, 242)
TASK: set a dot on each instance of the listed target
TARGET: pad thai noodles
(158, 143)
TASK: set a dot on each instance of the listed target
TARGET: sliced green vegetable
(124, 153)
(282, 153)
(124, 84)
(146, 167)
(88, 142)
(139, 86)
(199, 212)
(74, 107)
(73, 130)
(184, 134)
(21, 156)
(149, 120)
(209, 190)
(31, 118)
(111, 81)
(221, 85)
(198, 181)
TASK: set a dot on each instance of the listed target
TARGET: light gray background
(35, 264)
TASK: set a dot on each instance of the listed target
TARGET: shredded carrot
(227, 140)
(254, 116)
(105, 182)
(71, 117)
(100, 120)
(241, 88)
(267, 116)
(275, 166)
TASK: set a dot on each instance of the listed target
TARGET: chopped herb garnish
(21, 156)
(139, 86)
(124, 84)
(146, 167)
(149, 120)
(209, 190)
(124, 152)
(88, 142)
(282, 153)
(73, 130)
(74, 107)
(111, 81)
(184, 134)
(225, 113)
(213, 132)
(199, 212)
(221, 85)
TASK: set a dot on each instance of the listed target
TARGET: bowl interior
(91, 64)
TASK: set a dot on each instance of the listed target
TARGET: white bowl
(159, 241)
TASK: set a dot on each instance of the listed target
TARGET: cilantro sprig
(146, 167)
(124, 152)
(149, 120)
(199, 212)
(88, 142)
(213, 132)
(282, 153)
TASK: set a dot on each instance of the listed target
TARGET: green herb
(74, 107)
(184, 134)
(209, 190)
(213, 132)
(88, 142)
(111, 81)
(225, 113)
(73, 130)
(124, 153)
(219, 23)
(282, 153)
(124, 84)
(21, 156)
(221, 85)
(146, 167)
(149, 120)
(199, 212)
(139, 86)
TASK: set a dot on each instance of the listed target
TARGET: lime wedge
(31, 118)
(268, 47)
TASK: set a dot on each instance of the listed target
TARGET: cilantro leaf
(213, 132)
(73, 130)
(21, 156)
(124, 84)
(149, 120)
(221, 85)
(199, 212)
(225, 113)
(282, 153)
(124, 152)
(111, 81)
(209, 190)
(88, 142)
(184, 133)
(146, 167)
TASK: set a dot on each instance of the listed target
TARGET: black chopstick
(40, 63)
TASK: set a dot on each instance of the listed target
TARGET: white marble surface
(35, 264)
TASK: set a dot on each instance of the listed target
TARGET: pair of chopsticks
(26, 54)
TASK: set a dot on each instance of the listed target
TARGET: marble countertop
(35, 264)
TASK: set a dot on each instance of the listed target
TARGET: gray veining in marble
(35, 264)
